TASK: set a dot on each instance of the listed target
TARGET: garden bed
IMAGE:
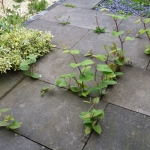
(126, 6)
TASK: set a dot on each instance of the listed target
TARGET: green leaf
(74, 89)
(61, 83)
(100, 57)
(96, 100)
(85, 93)
(129, 38)
(118, 73)
(87, 130)
(9, 118)
(68, 75)
(66, 51)
(97, 129)
(98, 113)
(14, 125)
(4, 110)
(4, 123)
(87, 77)
(136, 22)
(89, 121)
(118, 16)
(115, 33)
(32, 58)
(142, 31)
(104, 68)
(35, 75)
(87, 62)
(74, 65)
(110, 82)
(74, 52)
(24, 66)
(147, 20)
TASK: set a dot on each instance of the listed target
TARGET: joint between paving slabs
(92, 131)
(31, 140)
(13, 87)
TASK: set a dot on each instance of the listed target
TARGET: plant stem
(97, 21)
(144, 24)
(117, 28)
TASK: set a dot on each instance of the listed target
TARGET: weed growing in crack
(70, 5)
(63, 23)
(98, 30)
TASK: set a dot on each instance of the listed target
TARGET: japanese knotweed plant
(145, 30)
(92, 79)
(19, 43)
(8, 121)
(28, 66)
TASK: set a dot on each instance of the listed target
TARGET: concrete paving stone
(57, 12)
(8, 81)
(81, 3)
(121, 130)
(67, 35)
(52, 120)
(129, 24)
(12, 141)
(53, 65)
(134, 49)
(85, 18)
(132, 90)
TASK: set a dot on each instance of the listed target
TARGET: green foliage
(12, 16)
(35, 6)
(8, 121)
(70, 5)
(17, 45)
(147, 50)
(90, 120)
(27, 66)
(142, 2)
(18, 1)
(99, 30)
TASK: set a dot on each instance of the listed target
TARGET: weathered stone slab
(12, 141)
(132, 90)
(55, 64)
(8, 81)
(82, 3)
(122, 130)
(52, 120)
(134, 49)
(67, 35)
(57, 12)
(85, 18)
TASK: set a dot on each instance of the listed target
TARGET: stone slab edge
(36, 16)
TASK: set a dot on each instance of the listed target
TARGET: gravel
(23, 5)
(116, 6)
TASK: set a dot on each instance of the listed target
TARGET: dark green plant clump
(18, 1)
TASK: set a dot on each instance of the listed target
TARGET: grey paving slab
(82, 3)
(122, 130)
(52, 120)
(53, 65)
(134, 49)
(132, 90)
(8, 81)
(57, 12)
(130, 24)
(85, 18)
(12, 141)
(67, 35)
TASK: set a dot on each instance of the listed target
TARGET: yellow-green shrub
(17, 44)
